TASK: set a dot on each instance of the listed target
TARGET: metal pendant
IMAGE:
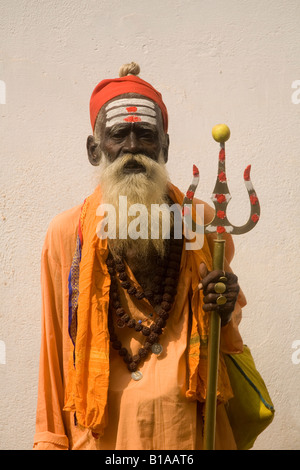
(156, 348)
(136, 375)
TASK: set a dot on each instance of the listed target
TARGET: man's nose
(131, 144)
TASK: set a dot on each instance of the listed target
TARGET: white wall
(231, 61)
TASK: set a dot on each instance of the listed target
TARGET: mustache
(133, 161)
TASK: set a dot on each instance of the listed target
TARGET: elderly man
(124, 328)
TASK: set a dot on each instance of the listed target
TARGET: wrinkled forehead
(129, 110)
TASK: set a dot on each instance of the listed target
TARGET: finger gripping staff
(219, 225)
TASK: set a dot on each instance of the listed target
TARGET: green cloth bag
(251, 410)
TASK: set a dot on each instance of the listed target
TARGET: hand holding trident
(219, 225)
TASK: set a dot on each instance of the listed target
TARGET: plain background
(231, 61)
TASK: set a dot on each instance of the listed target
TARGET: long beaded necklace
(161, 298)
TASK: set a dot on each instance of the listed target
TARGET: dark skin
(136, 137)
(150, 140)
(209, 279)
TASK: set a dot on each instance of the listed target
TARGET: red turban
(110, 88)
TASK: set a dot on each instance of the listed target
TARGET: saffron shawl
(89, 285)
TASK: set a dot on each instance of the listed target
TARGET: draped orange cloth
(88, 381)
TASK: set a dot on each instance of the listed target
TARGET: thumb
(203, 272)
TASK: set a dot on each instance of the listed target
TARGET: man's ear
(93, 151)
(166, 147)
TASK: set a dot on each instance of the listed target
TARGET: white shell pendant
(137, 375)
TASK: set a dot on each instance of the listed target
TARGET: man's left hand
(208, 284)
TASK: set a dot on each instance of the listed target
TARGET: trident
(219, 225)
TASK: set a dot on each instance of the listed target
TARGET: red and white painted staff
(220, 225)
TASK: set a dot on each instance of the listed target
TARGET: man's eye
(117, 135)
(147, 136)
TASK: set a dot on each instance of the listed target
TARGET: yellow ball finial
(221, 133)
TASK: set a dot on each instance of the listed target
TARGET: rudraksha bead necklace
(161, 297)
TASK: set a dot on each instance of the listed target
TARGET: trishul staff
(219, 225)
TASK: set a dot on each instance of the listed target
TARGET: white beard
(147, 188)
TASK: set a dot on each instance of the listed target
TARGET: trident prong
(219, 225)
(220, 198)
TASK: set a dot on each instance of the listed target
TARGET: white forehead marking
(130, 102)
(130, 110)
(130, 118)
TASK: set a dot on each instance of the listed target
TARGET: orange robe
(155, 413)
